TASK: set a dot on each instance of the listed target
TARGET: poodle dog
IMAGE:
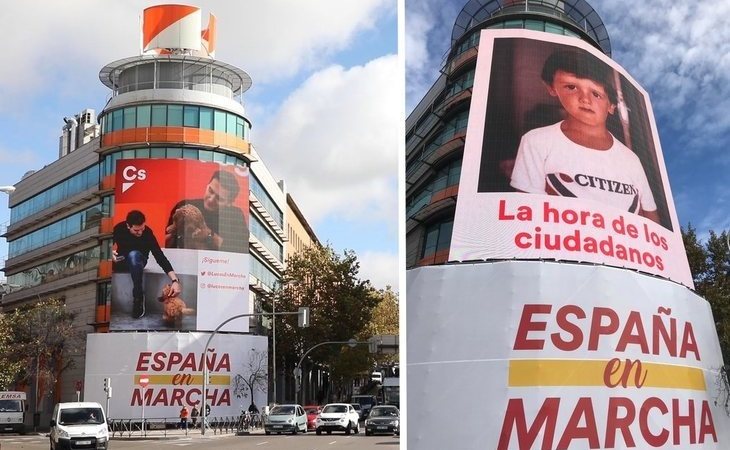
(173, 308)
(189, 227)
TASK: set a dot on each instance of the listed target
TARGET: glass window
(190, 153)
(142, 153)
(219, 157)
(157, 152)
(534, 25)
(130, 117)
(205, 155)
(143, 116)
(174, 115)
(159, 115)
(174, 152)
(206, 118)
(191, 116)
(117, 120)
(220, 121)
(239, 127)
(231, 124)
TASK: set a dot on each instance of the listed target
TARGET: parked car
(338, 417)
(383, 419)
(360, 410)
(286, 419)
(365, 401)
(79, 425)
(312, 414)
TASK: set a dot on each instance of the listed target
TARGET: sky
(326, 102)
(679, 52)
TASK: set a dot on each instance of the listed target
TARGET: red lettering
(159, 362)
(502, 214)
(679, 421)
(597, 327)
(526, 325)
(615, 423)
(522, 240)
(571, 328)
(689, 343)
(142, 361)
(573, 430)
(655, 440)
(669, 337)
(707, 426)
(189, 363)
(175, 358)
(614, 366)
(177, 397)
(515, 417)
(628, 336)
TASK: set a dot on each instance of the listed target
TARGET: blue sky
(326, 100)
(678, 51)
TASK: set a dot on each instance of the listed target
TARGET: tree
(10, 366)
(710, 266)
(341, 307)
(384, 321)
(46, 343)
(255, 375)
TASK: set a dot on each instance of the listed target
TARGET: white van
(12, 411)
(79, 425)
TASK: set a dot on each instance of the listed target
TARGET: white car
(79, 425)
(286, 419)
(338, 417)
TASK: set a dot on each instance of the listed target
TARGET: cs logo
(130, 175)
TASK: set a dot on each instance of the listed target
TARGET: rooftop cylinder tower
(549, 293)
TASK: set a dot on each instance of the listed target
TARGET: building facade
(175, 101)
(436, 128)
(547, 278)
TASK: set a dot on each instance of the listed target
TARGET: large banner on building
(562, 161)
(173, 364)
(185, 220)
(544, 355)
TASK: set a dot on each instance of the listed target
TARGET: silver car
(286, 419)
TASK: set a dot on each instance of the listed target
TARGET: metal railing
(168, 426)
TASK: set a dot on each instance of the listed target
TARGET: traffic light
(107, 384)
(303, 316)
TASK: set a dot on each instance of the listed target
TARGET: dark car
(383, 419)
(312, 414)
(360, 410)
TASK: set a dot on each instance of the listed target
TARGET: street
(310, 441)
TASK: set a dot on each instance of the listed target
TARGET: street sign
(352, 342)
(144, 380)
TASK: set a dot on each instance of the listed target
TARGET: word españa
(579, 328)
(578, 241)
(178, 362)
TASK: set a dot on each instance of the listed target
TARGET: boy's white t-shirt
(550, 163)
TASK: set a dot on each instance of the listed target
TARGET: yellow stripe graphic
(568, 372)
(186, 380)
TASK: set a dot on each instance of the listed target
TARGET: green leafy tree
(46, 342)
(255, 375)
(710, 265)
(341, 306)
(384, 321)
(10, 366)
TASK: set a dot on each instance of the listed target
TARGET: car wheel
(319, 432)
(367, 432)
(268, 432)
(349, 427)
(357, 428)
(329, 431)
(295, 430)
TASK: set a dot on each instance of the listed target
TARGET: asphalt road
(308, 441)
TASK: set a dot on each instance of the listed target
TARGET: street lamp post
(298, 368)
(303, 314)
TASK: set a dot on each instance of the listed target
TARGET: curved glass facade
(69, 187)
(175, 115)
(108, 165)
(264, 274)
(437, 237)
(446, 176)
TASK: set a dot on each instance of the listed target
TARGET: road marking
(333, 442)
(262, 443)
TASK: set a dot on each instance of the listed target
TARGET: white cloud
(335, 140)
(381, 269)
(73, 39)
